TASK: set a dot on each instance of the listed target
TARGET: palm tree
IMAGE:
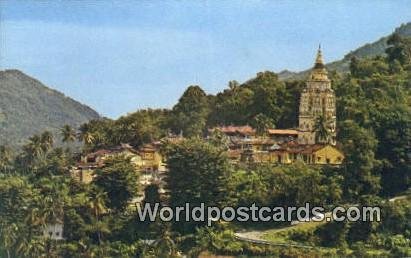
(97, 205)
(322, 128)
(58, 192)
(8, 237)
(33, 219)
(34, 147)
(49, 211)
(35, 247)
(117, 132)
(85, 134)
(100, 227)
(5, 157)
(47, 141)
(165, 246)
(68, 133)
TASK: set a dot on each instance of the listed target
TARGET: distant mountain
(368, 50)
(28, 107)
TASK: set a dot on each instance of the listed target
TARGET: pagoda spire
(319, 62)
(319, 72)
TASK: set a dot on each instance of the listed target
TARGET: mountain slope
(368, 50)
(28, 107)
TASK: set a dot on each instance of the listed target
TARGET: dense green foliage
(119, 180)
(392, 233)
(374, 117)
(189, 115)
(198, 173)
(373, 110)
(374, 131)
(262, 98)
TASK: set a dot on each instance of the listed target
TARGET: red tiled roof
(283, 131)
(246, 129)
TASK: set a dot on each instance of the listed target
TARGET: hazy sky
(119, 56)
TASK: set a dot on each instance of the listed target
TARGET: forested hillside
(101, 219)
(373, 114)
(28, 107)
(368, 50)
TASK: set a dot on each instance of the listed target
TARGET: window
(318, 159)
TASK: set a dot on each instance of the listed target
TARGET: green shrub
(397, 241)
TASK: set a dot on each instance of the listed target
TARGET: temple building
(317, 108)
(312, 142)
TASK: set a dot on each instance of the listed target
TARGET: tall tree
(322, 129)
(189, 115)
(165, 246)
(393, 129)
(34, 147)
(269, 95)
(47, 141)
(119, 179)
(97, 206)
(17, 197)
(361, 172)
(68, 134)
(85, 135)
(231, 106)
(198, 173)
(140, 127)
(5, 158)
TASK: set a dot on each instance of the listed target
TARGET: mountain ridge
(367, 50)
(27, 107)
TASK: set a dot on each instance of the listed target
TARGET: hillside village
(244, 145)
(329, 140)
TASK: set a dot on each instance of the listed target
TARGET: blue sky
(119, 56)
